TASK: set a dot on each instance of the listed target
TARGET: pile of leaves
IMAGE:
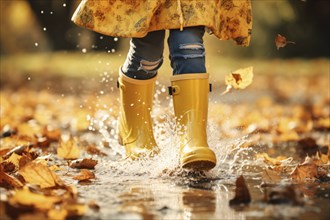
(41, 156)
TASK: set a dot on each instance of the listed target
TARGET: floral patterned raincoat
(226, 19)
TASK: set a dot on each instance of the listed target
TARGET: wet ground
(271, 116)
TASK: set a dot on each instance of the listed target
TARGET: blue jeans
(187, 53)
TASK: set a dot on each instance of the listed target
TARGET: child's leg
(190, 89)
(136, 83)
(145, 56)
(187, 53)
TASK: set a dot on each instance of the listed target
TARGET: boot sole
(199, 159)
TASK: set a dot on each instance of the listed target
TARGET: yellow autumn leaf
(26, 198)
(308, 170)
(239, 79)
(39, 174)
(84, 175)
(14, 158)
(58, 214)
(68, 149)
(273, 161)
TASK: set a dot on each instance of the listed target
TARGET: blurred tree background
(45, 25)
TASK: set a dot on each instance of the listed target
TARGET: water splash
(230, 155)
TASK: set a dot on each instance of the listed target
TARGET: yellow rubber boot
(135, 124)
(190, 99)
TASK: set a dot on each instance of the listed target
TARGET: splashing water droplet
(64, 5)
(113, 50)
(29, 78)
(44, 29)
(115, 39)
(36, 44)
(84, 50)
(41, 12)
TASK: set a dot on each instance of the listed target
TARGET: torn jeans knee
(142, 69)
(188, 58)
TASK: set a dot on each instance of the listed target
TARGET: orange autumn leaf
(68, 149)
(39, 174)
(85, 163)
(272, 161)
(8, 179)
(281, 41)
(239, 79)
(84, 175)
(26, 198)
(308, 170)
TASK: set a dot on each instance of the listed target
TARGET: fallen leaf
(272, 161)
(8, 180)
(239, 79)
(281, 41)
(85, 163)
(14, 158)
(93, 205)
(39, 201)
(7, 166)
(23, 161)
(242, 194)
(92, 149)
(84, 175)
(58, 214)
(68, 149)
(307, 171)
(39, 174)
(271, 176)
(284, 194)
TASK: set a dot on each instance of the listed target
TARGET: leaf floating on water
(307, 171)
(39, 174)
(242, 194)
(84, 175)
(284, 194)
(239, 79)
(281, 41)
(85, 163)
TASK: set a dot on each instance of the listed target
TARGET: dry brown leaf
(84, 175)
(242, 194)
(68, 149)
(39, 174)
(8, 179)
(284, 195)
(92, 149)
(271, 176)
(307, 171)
(239, 79)
(281, 41)
(272, 161)
(85, 163)
(26, 198)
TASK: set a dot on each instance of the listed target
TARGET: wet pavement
(157, 188)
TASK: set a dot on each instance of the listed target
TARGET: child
(145, 22)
